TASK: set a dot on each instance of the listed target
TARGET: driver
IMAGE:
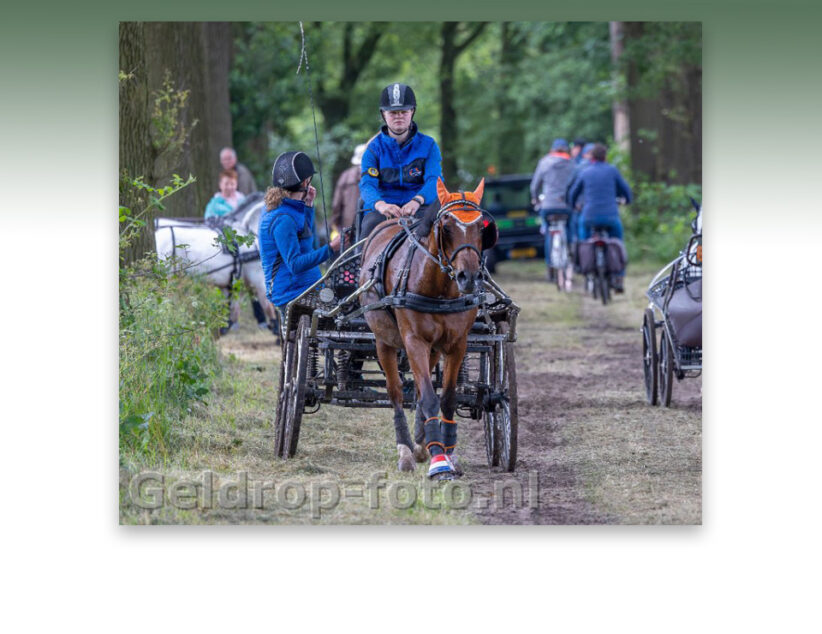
(400, 166)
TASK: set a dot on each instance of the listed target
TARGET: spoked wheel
(506, 414)
(649, 358)
(604, 286)
(666, 370)
(286, 365)
(489, 426)
(293, 392)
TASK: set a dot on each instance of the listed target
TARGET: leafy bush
(658, 221)
(168, 357)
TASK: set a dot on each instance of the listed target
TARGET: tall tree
(192, 58)
(455, 38)
(622, 121)
(664, 66)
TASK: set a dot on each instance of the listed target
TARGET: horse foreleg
(420, 452)
(419, 355)
(388, 360)
(448, 401)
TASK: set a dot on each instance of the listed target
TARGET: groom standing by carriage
(400, 166)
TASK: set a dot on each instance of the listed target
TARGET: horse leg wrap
(401, 429)
(433, 434)
(449, 435)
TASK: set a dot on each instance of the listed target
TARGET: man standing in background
(347, 193)
(245, 180)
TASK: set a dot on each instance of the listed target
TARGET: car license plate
(527, 252)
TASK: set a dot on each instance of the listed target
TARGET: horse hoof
(406, 461)
(441, 468)
(421, 453)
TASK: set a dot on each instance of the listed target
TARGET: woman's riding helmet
(397, 97)
(290, 169)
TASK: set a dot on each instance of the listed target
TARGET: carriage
(329, 357)
(675, 310)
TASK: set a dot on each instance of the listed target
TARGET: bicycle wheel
(666, 370)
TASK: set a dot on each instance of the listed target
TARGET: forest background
(494, 95)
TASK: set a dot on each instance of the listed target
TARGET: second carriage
(329, 357)
(675, 313)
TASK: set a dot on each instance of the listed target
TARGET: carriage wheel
(666, 370)
(296, 392)
(649, 358)
(283, 400)
(489, 426)
(507, 415)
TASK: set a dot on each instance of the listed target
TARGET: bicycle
(598, 282)
(560, 260)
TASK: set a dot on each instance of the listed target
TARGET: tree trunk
(451, 49)
(196, 56)
(622, 127)
(511, 137)
(448, 115)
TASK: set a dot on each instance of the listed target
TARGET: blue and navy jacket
(600, 183)
(396, 173)
(290, 261)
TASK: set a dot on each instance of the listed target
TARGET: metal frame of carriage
(327, 343)
(665, 358)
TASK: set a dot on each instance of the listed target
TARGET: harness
(401, 297)
(216, 224)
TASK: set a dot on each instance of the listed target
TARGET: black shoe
(618, 284)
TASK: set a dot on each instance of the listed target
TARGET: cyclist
(548, 186)
(601, 184)
(290, 261)
(400, 166)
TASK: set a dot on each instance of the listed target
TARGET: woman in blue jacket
(286, 233)
(400, 166)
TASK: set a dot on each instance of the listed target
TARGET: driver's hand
(335, 244)
(392, 211)
(310, 195)
(410, 208)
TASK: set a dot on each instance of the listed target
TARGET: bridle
(446, 265)
(444, 211)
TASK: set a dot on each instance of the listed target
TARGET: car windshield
(505, 196)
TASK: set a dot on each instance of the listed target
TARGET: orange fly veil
(465, 215)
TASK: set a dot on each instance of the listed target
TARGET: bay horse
(451, 268)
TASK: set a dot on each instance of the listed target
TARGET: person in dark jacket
(601, 184)
(286, 233)
(400, 166)
(347, 193)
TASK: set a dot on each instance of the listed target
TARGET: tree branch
(474, 34)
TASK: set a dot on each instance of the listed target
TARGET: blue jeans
(543, 214)
(614, 226)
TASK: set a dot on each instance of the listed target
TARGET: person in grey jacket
(245, 180)
(549, 185)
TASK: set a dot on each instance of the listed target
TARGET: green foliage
(231, 240)
(658, 222)
(132, 223)
(168, 357)
(168, 134)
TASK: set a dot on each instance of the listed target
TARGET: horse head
(458, 232)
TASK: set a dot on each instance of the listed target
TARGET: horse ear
(442, 193)
(479, 190)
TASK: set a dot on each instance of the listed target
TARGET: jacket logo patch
(414, 171)
(373, 171)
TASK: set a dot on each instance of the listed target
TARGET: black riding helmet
(290, 169)
(397, 97)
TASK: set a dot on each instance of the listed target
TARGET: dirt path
(602, 455)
